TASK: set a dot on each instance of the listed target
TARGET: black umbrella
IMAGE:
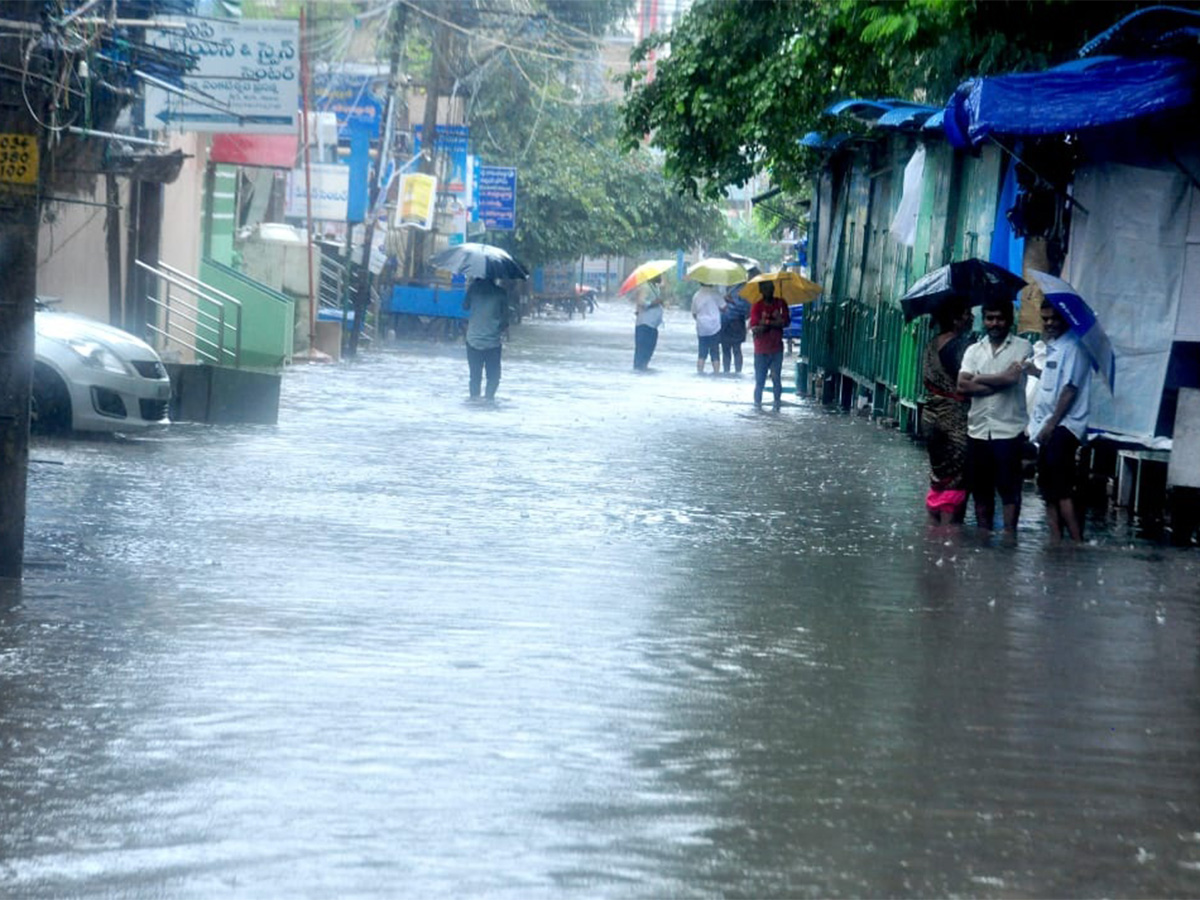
(478, 261)
(972, 280)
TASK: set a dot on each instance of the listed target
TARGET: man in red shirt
(768, 318)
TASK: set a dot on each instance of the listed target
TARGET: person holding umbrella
(768, 318)
(708, 303)
(1058, 421)
(733, 326)
(649, 311)
(487, 305)
(647, 280)
(944, 418)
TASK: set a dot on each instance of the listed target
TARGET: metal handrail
(219, 299)
(194, 335)
(209, 292)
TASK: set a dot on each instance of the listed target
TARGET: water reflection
(617, 636)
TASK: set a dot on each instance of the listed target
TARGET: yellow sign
(18, 158)
(418, 196)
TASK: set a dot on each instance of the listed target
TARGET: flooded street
(618, 636)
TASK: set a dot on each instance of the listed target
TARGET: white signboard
(330, 194)
(247, 79)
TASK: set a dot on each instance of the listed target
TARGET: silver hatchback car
(89, 376)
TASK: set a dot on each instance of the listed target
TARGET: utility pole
(362, 292)
(22, 154)
(18, 288)
(433, 90)
(112, 249)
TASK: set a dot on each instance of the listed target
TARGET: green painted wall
(858, 328)
(268, 317)
(222, 213)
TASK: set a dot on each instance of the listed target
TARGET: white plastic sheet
(904, 223)
(1127, 256)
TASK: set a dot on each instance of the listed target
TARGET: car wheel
(50, 410)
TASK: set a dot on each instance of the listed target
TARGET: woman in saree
(945, 416)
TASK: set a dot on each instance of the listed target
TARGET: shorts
(1056, 465)
(709, 346)
(995, 467)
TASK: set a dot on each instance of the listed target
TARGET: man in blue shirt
(1058, 421)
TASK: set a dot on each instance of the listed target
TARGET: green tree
(745, 79)
(536, 102)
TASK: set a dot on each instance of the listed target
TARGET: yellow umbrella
(789, 287)
(645, 272)
(715, 270)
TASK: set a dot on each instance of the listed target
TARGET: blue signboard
(497, 203)
(352, 97)
(451, 140)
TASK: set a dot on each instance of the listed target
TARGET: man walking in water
(992, 375)
(487, 305)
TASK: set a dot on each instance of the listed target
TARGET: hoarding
(247, 78)
(418, 197)
(330, 193)
(497, 197)
(451, 140)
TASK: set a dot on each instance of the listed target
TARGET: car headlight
(98, 356)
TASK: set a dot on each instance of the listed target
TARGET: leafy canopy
(746, 79)
(535, 103)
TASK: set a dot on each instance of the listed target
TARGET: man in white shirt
(707, 304)
(992, 375)
(1058, 421)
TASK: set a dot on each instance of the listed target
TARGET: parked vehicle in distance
(88, 376)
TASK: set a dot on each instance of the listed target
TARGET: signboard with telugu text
(497, 197)
(247, 78)
(352, 97)
(451, 140)
(330, 193)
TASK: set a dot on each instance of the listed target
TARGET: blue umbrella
(1083, 323)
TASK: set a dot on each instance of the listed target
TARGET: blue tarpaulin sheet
(1081, 94)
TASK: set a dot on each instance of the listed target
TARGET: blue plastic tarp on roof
(875, 112)
(905, 117)
(1081, 94)
(818, 141)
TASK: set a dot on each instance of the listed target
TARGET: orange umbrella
(789, 287)
(644, 273)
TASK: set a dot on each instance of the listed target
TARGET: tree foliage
(535, 103)
(745, 79)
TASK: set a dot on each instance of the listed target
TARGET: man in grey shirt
(487, 305)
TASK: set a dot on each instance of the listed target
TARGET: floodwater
(619, 636)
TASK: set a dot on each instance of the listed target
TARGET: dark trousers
(645, 339)
(731, 352)
(477, 361)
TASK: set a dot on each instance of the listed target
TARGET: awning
(887, 112)
(1082, 94)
